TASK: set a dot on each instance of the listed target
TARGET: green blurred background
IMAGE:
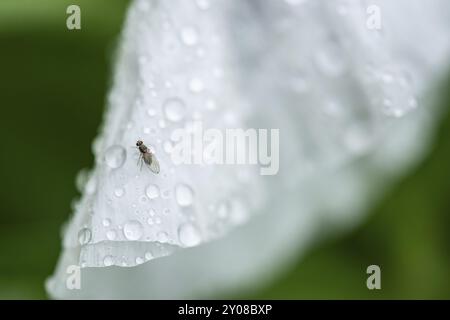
(53, 86)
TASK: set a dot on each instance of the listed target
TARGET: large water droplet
(184, 195)
(115, 156)
(174, 109)
(152, 191)
(133, 230)
(84, 236)
(203, 4)
(189, 36)
(108, 261)
(188, 235)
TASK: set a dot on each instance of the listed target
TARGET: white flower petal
(344, 97)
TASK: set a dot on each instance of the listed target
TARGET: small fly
(147, 157)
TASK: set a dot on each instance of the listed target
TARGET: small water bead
(174, 109)
(196, 85)
(189, 235)
(84, 236)
(150, 221)
(184, 195)
(162, 123)
(91, 185)
(119, 192)
(223, 209)
(211, 104)
(152, 191)
(139, 260)
(158, 220)
(82, 179)
(151, 112)
(133, 230)
(108, 261)
(106, 222)
(203, 4)
(162, 236)
(148, 255)
(111, 235)
(115, 156)
(189, 36)
(143, 199)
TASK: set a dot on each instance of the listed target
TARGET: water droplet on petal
(106, 222)
(148, 255)
(162, 236)
(108, 261)
(189, 36)
(139, 260)
(84, 236)
(119, 192)
(196, 85)
(223, 209)
(115, 156)
(188, 235)
(133, 230)
(111, 235)
(151, 112)
(152, 191)
(203, 4)
(174, 109)
(184, 195)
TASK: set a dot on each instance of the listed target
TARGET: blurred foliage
(53, 88)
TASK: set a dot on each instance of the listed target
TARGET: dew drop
(151, 112)
(150, 221)
(108, 261)
(189, 36)
(184, 195)
(203, 4)
(162, 236)
(174, 109)
(152, 191)
(115, 156)
(133, 230)
(196, 85)
(148, 255)
(223, 209)
(84, 236)
(106, 222)
(111, 235)
(188, 235)
(139, 260)
(119, 192)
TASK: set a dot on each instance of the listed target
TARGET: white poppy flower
(346, 93)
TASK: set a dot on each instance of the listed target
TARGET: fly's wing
(151, 162)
